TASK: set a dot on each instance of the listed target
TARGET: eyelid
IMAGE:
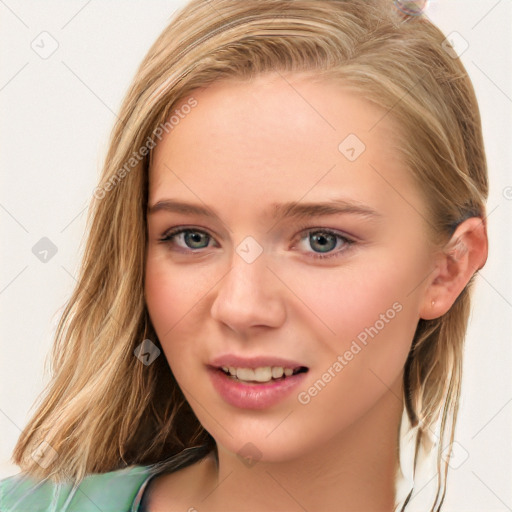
(308, 228)
(179, 229)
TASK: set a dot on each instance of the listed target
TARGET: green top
(121, 490)
(116, 491)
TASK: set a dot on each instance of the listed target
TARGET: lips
(232, 360)
(254, 395)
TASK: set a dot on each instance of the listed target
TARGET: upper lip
(253, 362)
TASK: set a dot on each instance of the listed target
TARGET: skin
(245, 146)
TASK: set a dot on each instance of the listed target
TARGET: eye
(187, 238)
(324, 242)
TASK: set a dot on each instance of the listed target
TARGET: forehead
(279, 137)
(278, 110)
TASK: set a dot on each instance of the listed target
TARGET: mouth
(255, 383)
(261, 374)
(258, 369)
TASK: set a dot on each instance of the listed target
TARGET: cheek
(353, 301)
(374, 322)
(161, 294)
(173, 293)
(368, 317)
(175, 301)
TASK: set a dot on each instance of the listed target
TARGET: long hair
(103, 409)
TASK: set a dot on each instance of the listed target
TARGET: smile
(261, 374)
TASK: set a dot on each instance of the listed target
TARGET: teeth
(277, 372)
(261, 374)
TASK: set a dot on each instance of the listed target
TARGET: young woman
(276, 284)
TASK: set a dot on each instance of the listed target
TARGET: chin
(259, 446)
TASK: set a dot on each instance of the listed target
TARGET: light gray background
(57, 113)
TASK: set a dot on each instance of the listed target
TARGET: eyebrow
(279, 211)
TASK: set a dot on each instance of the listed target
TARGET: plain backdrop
(65, 67)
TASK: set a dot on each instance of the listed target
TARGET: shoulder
(113, 492)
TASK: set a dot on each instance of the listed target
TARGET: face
(277, 239)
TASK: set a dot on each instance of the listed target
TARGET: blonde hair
(103, 409)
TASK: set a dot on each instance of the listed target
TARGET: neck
(354, 471)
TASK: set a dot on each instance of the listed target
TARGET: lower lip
(253, 396)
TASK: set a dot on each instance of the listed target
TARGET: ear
(463, 255)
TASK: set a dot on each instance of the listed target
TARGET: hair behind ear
(433, 376)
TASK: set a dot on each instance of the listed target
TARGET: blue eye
(191, 238)
(323, 242)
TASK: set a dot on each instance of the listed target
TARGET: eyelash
(348, 243)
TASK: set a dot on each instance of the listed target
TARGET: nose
(249, 296)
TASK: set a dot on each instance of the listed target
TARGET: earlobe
(463, 255)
